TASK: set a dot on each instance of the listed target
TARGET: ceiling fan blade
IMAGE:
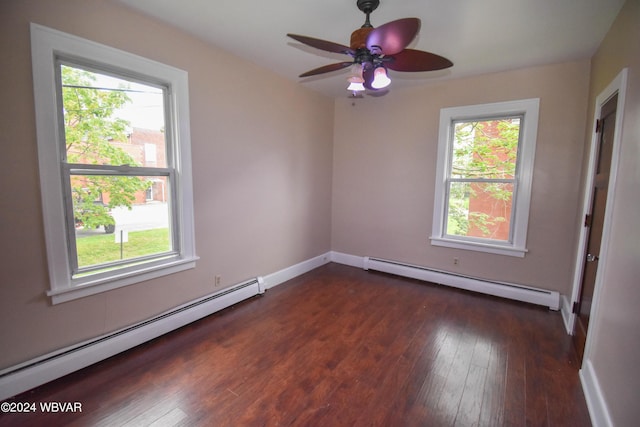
(417, 60)
(326, 69)
(393, 36)
(323, 44)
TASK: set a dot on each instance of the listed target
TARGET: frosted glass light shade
(380, 78)
(355, 87)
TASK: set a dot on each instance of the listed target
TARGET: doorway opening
(598, 201)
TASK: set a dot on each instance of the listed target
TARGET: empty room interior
(460, 247)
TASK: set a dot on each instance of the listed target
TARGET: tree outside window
(90, 127)
(481, 188)
(484, 176)
(112, 165)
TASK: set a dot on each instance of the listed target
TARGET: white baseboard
(346, 259)
(48, 367)
(275, 279)
(30, 374)
(38, 371)
(512, 291)
(598, 409)
(567, 315)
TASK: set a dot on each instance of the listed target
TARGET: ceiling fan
(374, 50)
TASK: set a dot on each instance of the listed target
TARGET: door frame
(618, 85)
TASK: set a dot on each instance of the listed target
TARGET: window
(484, 174)
(109, 144)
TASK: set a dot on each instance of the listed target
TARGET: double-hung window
(115, 168)
(484, 176)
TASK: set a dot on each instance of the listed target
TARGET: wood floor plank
(468, 411)
(454, 381)
(374, 356)
(492, 410)
(337, 346)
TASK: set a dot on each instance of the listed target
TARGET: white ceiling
(478, 36)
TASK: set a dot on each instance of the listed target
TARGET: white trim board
(512, 291)
(345, 259)
(281, 276)
(598, 409)
(35, 372)
(38, 371)
(565, 310)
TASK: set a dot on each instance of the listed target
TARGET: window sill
(91, 288)
(479, 247)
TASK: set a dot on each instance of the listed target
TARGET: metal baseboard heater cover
(512, 291)
(41, 370)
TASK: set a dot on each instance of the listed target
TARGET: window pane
(480, 209)
(129, 219)
(112, 121)
(485, 149)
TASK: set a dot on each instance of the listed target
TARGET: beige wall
(614, 336)
(263, 176)
(385, 152)
(262, 161)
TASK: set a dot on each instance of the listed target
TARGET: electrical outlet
(456, 261)
(217, 281)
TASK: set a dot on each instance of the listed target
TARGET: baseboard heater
(512, 291)
(33, 373)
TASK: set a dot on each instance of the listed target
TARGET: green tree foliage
(90, 128)
(483, 153)
(486, 149)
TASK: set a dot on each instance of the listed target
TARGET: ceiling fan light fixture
(355, 74)
(356, 87)
(380, 78)
(374, 50)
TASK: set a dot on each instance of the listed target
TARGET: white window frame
(516, 246)
(47, 47)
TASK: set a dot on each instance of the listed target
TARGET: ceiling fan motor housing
(359, 38)
(368, 6)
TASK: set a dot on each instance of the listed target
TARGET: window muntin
(484, 176)
(169, 178)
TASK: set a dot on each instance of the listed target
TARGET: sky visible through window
(146, 107)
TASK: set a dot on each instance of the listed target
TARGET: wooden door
(595, 221)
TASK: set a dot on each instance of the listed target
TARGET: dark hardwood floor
(337, 347)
